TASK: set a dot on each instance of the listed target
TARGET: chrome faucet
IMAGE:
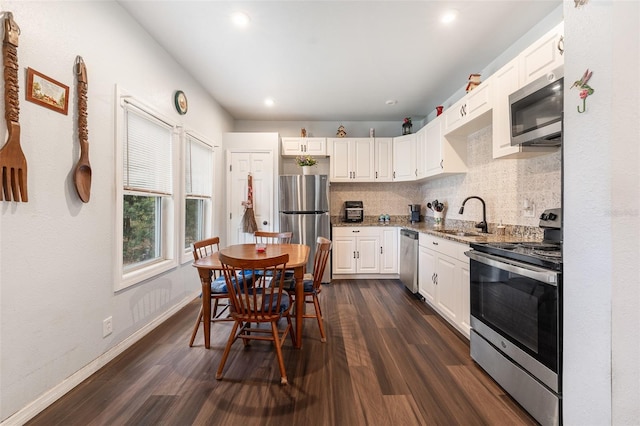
(482, 225)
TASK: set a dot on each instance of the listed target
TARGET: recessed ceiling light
(449, 16)
(269, 102)
(240, 19)
(391, 102)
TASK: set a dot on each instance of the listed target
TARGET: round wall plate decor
(180, 101)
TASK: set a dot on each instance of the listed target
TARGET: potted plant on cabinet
(306, 162)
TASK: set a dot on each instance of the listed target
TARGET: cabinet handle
(436, 279)
(358, 255)
(561, 45)
(356, 231)
(416, 172)
(441, 164)
(433, 278)
(394, 174)
(376, 175)
(435, 243)
(381, 250)
(354, 254)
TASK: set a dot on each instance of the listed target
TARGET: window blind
(147, 152)
(198, 168)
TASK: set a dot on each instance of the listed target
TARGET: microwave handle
(529, 271)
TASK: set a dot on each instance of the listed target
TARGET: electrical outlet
(107, 326)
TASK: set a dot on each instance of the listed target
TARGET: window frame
(208, 215)
(169, 214)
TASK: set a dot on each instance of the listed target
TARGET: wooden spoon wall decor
(13, 163)
(82, 173)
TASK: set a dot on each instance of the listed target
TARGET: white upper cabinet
(292, 147)
(352, 159)
(383, 159)
(421, 153)
(434, 140)
(543, 56)
(404, 158)
(444, 155)
(471, 113)
(506, 81)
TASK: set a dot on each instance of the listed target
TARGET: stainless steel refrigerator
(304, 210)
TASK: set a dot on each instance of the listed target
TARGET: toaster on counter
(353, 211)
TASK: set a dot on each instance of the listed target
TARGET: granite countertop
(453, 232)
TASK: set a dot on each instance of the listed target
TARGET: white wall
(56, 277)
(601, 216)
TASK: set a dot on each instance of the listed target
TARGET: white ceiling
(335, 60)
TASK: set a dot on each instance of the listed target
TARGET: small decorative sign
(47, 92)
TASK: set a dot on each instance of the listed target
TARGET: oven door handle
(529, 271)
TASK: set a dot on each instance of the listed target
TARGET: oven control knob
(504, 345)
(552, 216)
(544, 216)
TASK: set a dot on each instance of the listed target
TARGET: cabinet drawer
(446, 247)
(356, 231)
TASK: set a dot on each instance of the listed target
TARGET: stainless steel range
(516, 317)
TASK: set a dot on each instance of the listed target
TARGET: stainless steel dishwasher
(409, 259)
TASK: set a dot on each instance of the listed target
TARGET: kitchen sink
(460, 233)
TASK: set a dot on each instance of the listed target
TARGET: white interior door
(260, 165)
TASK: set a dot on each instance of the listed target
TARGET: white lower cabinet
(465, 308)
(389, 250)
(443, 279)
(364, 250)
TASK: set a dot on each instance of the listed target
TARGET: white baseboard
(52, 395)
(335, 276)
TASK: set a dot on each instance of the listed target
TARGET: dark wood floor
(389, 359)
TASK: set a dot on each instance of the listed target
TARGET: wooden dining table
(298, 256)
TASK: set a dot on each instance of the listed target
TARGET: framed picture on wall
(47, 92)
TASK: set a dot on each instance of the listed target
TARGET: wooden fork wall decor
(13, 164)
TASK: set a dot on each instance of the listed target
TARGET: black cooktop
(543, 254)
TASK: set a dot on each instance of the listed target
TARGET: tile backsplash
(504, 184)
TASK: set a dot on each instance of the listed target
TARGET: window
(198, 190)
(194, 221)
(145, 206)
(141, 236)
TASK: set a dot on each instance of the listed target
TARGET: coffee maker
(414, 210)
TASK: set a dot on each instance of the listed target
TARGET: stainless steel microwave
(536, 111)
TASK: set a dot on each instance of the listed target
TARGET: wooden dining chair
(265, 237)
(264, 302)
(218, 285)
(313, 287)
